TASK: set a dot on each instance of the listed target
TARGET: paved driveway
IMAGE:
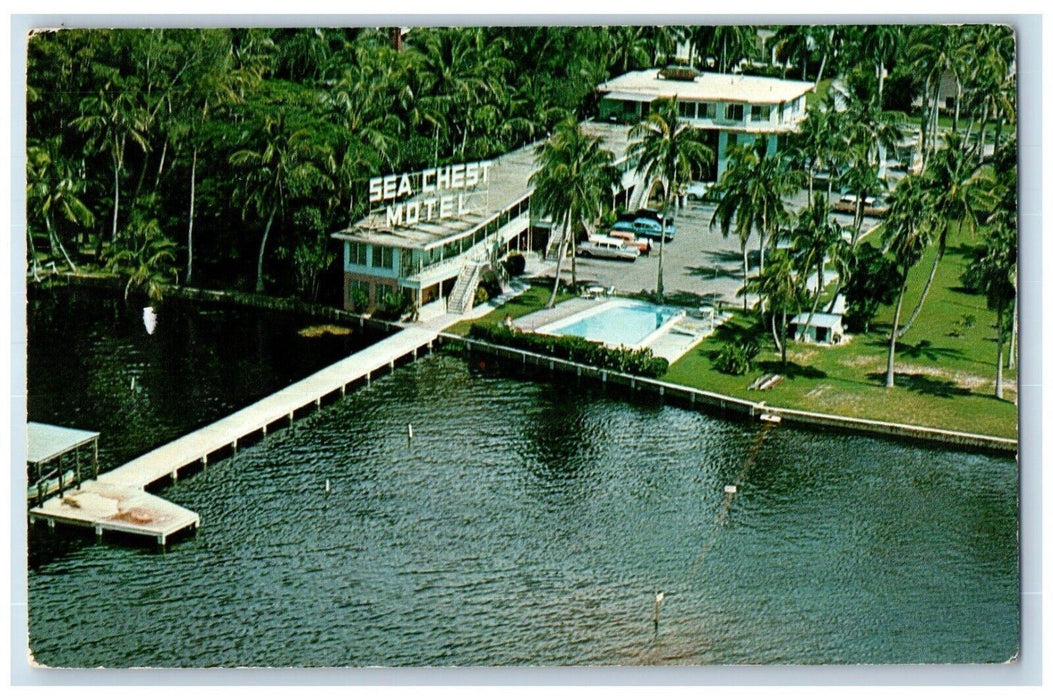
(700, 262)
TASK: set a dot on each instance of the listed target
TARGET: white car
(607, 247)
(698, 191)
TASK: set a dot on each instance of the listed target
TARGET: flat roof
(819, 320)
(46, 442)
(712, 87)
(509, 176)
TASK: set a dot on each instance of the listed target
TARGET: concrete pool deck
(675, 340)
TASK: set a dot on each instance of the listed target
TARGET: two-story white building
(431, 233)
(731, 108)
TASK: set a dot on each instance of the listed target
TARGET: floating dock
(116, 501)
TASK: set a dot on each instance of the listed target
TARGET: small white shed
(824, 329)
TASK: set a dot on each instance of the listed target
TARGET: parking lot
(699, 262)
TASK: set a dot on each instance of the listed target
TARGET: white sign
(433, 181)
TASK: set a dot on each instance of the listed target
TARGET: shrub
(640, 362)
(359, 300)
(481, 295)
(393, 306)
(736, 359)
(489, 282)
(515, 264)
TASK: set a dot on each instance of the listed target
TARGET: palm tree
(730, 43)
(867, 126)
(993, 272)
(668, 150)
(628, 48)
(879, 44)
(777, 285)
(818, 141)
(815, 237)
(215, 83)
(146, 255)
(574, 179)
(111, 118)
(53, 187)
(751, 195)
(862, 179)
(907, 232)
(957, 189)
(272, 172)
(936, 50)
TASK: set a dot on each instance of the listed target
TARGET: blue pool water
(619, 322)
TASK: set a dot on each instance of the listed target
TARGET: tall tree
(668, 151)
(993, 273)
(574, 179)
(778, 287)
(111, 117)
(815, 238)
(907, 232)
(957, 189)
(751, 195)
(53, 188)
(279, 161)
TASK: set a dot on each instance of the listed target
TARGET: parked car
(875, 207)
(649, 228)
(654, 215)
(644, 245)
(699, 191)
(608, 247)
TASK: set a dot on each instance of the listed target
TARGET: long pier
(117, 501)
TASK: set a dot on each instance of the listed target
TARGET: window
(356, 254)
(687, 110)
(707, 110)
(733, 113)
(383, 257)
(357, 292)
(760, 113)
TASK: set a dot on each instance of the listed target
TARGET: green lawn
(534, 299)
(944, 366)
(944, 369)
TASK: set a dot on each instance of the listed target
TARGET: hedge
(641, 362)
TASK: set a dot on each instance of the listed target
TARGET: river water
(532, 523)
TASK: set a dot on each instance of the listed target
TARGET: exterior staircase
(462, 296)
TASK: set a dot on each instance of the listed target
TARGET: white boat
(607, 247)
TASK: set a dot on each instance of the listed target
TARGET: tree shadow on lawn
(791, 370)
(924, 384)
(713, 272)
(724, 257)
(923, 350)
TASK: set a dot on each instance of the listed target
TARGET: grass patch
(944, 367)
(533, 299)
(324, 329)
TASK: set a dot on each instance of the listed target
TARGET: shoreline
(683, 393)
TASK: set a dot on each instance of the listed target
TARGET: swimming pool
(618, 322)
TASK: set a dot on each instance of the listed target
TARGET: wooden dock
(117, 501)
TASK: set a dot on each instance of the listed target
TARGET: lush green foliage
(573, 185)
(640, 362)
(232, 130)
(515, 264)
(736, 359)
(668, 151)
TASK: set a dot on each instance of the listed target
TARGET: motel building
(731, 108)
(430, 234)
